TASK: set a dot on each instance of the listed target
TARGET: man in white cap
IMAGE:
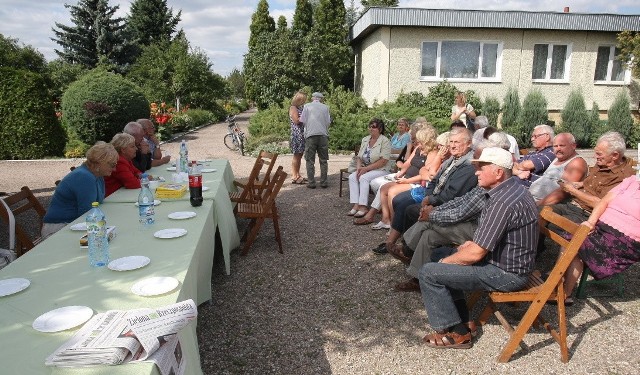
(316, 119)
(499, 258)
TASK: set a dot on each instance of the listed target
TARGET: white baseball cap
(497, 156)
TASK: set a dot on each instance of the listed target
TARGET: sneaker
(381, 249)
(311, 186)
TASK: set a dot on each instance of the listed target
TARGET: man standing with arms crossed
(316, 119)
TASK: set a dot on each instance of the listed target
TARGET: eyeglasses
(535, 136)
(373, 126)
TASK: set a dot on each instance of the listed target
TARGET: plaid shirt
(460, 209)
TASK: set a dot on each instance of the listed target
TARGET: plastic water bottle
(145, 203)
(97, 233)
(184, 157)
(195, 185)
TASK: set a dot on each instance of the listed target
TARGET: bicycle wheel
(229, 142)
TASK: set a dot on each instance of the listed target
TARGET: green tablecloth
(219, 183)
(60, 275)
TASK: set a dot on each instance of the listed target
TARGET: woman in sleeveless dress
(297, 136)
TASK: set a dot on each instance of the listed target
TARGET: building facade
(408, 49)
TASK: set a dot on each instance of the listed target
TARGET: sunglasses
(373, 126)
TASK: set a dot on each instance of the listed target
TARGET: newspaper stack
(116, 337)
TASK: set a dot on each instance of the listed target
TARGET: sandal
(362, 220)
(360, 214)
(352, 212)
(299, 181)
(448, 340)
(380, 225)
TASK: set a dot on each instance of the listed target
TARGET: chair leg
(251, 235)
(581, 292)
(276, 227)
(516, 337)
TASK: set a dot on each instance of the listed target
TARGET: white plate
(12, 286)
(155, 202)
(62, 319)
(154, 286)
(171, 168)
(208, 170)
(79, 227)
(204, 188)
(128, 263)
(180, 215)
(170, 233)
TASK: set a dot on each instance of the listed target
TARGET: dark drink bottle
(195, 185)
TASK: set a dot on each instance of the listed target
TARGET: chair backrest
(19, 203)
(71, 169)
(269, 194)
(248, 192)
(269, 160)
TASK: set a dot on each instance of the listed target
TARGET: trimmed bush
(575, 119)
(511, 110)
(29, 128)
(620, 118)
(491, 109)
(534, 112)
(100, 104)
(597, 126)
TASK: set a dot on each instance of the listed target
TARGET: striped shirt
(541, 161)
(508, 227)
(460, 209)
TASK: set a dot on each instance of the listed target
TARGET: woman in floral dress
(297, 136)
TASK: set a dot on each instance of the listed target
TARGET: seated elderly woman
(614, 243)
(78, 189)
(372, 161)
(423, 158)
(125, 174)
(402, 138)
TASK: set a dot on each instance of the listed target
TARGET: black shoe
(324, 186)
(381, 249)
(311, 186)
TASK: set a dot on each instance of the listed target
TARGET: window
(551, 62)
(608, 68)
(461, 60)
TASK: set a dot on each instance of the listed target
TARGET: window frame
(626, 80)
(567, 63)
(437, 78)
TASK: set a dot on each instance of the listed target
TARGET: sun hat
(317, 95)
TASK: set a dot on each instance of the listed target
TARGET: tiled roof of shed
(418, 17)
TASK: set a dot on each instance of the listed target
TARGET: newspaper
(116, 337)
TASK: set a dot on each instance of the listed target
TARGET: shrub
(575, 119)
(491, 109)
(440, 99)
(597, 126)
(511, 110)
(29, 128)
(620, 118)
(75, 148)
(100, 104)
(534, 112)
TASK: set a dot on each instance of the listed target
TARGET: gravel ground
(327, 305)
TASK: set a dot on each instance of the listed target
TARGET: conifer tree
(327, 53)
(379, 3)
(575, 119)
(261, 23)
(302, 18)
(595, 124)
(620, 118)
(534, 112)
(96, 35)
(151, 21)
(511, 111)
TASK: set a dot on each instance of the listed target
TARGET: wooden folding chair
(258, 183)
(247, 192)
(539, 291)
(19, 203)
(265, 208)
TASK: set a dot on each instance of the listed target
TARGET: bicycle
(234, 139)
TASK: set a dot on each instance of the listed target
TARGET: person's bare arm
(468, 253)
(573, 188)
(554, 197)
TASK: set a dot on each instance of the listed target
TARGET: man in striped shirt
(500, 257)
(531, 166)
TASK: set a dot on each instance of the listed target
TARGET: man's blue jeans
(442, 284)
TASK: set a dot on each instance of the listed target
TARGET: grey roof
(418, 17)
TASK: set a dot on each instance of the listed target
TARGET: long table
(60, 276)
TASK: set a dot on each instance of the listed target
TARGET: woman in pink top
(614, 243)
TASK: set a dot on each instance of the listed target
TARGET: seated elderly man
(142, 160)
(499, 258)
(531, 166)
(454, 179)
(567, 166)
(153, 142)
(576, 200)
